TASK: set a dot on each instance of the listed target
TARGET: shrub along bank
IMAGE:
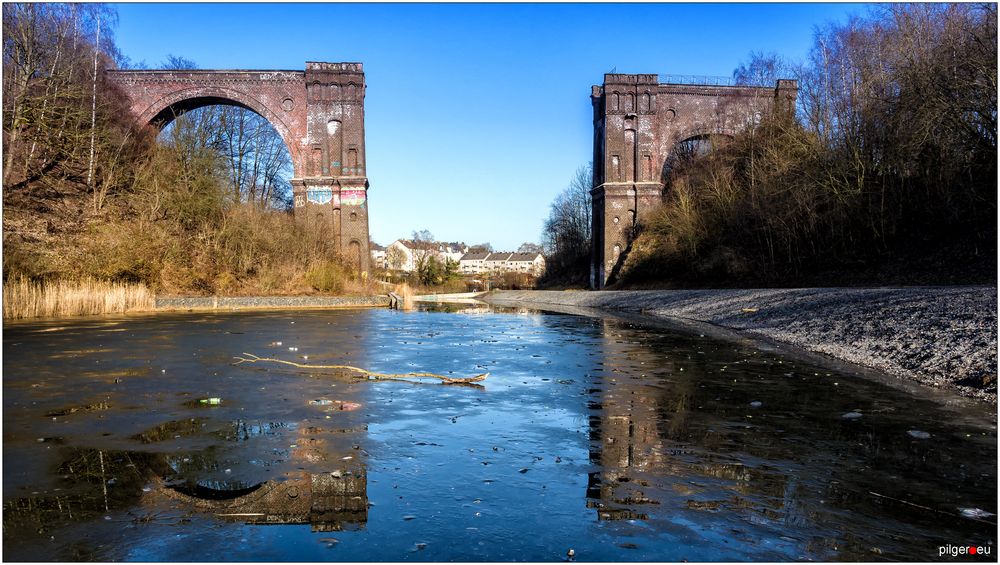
(93, 201)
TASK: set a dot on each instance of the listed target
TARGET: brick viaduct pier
(320, 115)
(639, 122)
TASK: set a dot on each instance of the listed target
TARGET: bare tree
(395, 258)
(255, 161)
(566, 235)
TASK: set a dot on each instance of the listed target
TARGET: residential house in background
(531, 263)
(496, 262)
(406, 254)
(452, 251)
(504, 262)
(378, 256)
(472, 262)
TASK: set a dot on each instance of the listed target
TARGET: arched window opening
(689, 149)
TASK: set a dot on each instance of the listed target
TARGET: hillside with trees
(89, 194)
(886, 175)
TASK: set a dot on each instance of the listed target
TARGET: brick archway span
(330, 172)
(164, 110)
(633, 142)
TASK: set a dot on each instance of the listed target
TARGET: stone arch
(168, 107)
(704, 138)
(298, 104)
(692, 144)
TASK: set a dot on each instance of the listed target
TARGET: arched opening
(691, 148)
(354, 255)
(248, 151)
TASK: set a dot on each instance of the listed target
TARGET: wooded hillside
(886, 176)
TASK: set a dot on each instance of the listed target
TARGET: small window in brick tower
(647, 167)
(616, 167)
(317, 160)
(352, 158)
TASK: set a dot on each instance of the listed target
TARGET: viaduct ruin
(639, 123)
(319, 113)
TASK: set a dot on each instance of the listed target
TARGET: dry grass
(26, 299)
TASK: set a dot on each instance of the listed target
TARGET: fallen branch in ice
(251, 358)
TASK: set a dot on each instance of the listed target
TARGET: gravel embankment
(938, 336)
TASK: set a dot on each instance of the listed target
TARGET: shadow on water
(620, 441)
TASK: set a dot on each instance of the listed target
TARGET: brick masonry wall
(638, 123)
(318, 112)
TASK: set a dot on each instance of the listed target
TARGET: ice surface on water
(620, 442)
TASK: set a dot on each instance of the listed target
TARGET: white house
(532, 263)
(378, 256)
(472, 263)
(452, 252)
(405, 254)
(503, 262)
(496, 262)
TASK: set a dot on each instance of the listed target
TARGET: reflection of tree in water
(98, 482)
(94, 482)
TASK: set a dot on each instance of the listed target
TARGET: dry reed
(404, 291)
(26, 299)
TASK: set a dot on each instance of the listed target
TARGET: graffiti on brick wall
(319, 195)
(352, 197)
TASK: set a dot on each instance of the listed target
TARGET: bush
(327, 276)
(890, 176)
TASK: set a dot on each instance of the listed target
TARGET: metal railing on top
(696, 80)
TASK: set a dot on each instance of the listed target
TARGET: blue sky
(477, 115)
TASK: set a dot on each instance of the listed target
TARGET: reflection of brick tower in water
(650, 439)
(625, 436)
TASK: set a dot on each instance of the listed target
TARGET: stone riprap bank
(268, 302)
(938, 336)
